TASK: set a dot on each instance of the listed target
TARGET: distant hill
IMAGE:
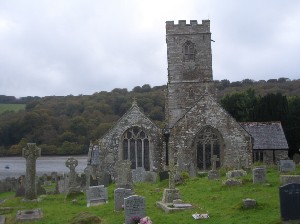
(64, 125)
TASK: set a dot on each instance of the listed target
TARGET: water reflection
(16, 166)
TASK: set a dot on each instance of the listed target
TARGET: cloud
(59, 47)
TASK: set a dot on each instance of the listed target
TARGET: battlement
(183, 28)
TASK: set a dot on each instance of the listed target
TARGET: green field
(11, 107)
(222, 203)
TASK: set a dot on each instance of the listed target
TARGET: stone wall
(207, 112)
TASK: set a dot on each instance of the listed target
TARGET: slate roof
(266, 135)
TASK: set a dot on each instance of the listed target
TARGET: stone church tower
(199, 127)
(189, 66)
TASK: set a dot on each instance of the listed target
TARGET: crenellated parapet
(184, 28)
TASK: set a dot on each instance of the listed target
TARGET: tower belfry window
(189, 51)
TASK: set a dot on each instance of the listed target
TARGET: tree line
(64, 125)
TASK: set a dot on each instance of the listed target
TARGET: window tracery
(136, 148)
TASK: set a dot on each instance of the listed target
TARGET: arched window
(189, 51)
(136, 148)
(208, 143)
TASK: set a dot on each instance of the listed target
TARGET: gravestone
(236, 173)
(104, 178)
(134, 208)
(259, 175)
(124, 175)
(20, 192)
(95, 156)
(289, 179)
(213, 175)
(87, 172)
(73, 187)
(119, 195)
(214, 159)
(31, 152)
(249, 203)
(290, 201)
(138, 175)
(2, 219)
(96, 195)
(287, 165)
(141, 175)
(171, 193)
(29, 215)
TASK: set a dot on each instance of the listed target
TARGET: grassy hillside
(222, 203)
(11, 107)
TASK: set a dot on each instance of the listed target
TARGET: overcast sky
(62, 47)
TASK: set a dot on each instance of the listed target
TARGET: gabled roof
(266, 135)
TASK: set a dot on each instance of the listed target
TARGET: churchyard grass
(222, 203)
(11, 107)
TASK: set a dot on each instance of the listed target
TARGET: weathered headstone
(290, 201)
(213, 175)
(134, 208)
(96, 195)
(138, 175)
(95, 156)
(287, 165)
(119, 195)
(236, 173)
(259, 175)
(124, 175)
(31, 152)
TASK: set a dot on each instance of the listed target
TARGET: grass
(11, 107)
(223, 203)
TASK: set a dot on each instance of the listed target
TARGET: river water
(16, 166)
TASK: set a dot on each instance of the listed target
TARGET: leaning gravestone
(290, 201)
(134, 208)
(96, 195)
(124, 176)
(119, 195)
(259, 175)
(287, 165)
(31, 152)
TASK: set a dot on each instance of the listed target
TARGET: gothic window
(208, 144)
(189, 51)
(136, 148)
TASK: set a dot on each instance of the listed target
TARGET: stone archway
(136, 148)
(208, 142)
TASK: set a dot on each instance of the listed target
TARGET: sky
(73, 47)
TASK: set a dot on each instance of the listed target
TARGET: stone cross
(71, 163)
(239, 161)
(172, 175)
(214, 160)
(31, 152)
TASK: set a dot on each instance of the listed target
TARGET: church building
(198, 128)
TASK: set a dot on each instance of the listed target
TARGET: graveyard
(207, 196)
